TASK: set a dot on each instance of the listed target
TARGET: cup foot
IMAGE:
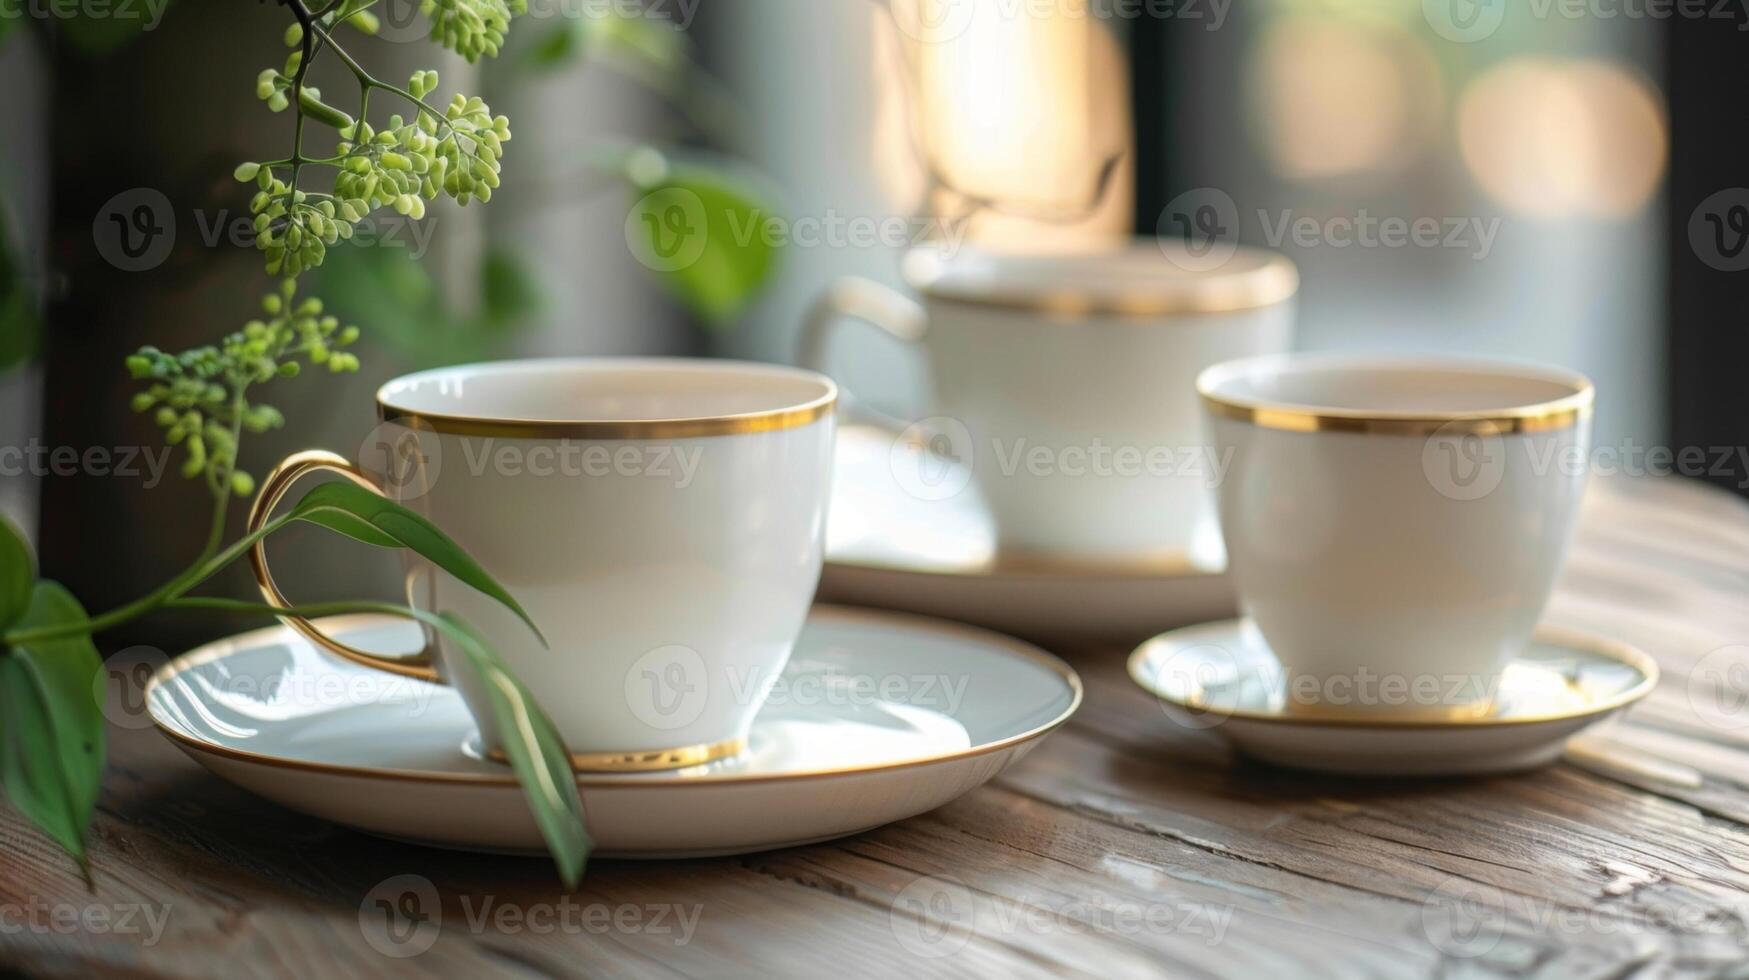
(647, 760)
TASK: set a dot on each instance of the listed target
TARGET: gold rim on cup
(1544, 416)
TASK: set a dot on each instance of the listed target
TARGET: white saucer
(894, 549)
(1222, 677)
(878, 717)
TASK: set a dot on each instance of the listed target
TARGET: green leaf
(51, 728)
(17, 574)
(559, 46)
(509, 294)
(536, 752)
(703, 232)
(358, 513)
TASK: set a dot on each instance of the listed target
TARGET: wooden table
(1122, 846)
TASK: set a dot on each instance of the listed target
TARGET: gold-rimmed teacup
(1394, 526)
(661, 520)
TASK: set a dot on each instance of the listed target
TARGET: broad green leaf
(705, 234)
(559, 46)
(508, 292)
(358, 513)
(51, 728)
(536, 752)
(17, 574)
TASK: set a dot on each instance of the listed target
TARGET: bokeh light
(1558, 138)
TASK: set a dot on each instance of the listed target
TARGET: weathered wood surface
(1123, 846)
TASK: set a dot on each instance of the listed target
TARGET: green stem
(168, 592)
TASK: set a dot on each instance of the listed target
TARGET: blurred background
(1556, 181)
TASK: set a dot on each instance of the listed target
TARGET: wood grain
(1122, 846)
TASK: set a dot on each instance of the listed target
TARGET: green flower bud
(294, 35)
(242, 484)
(143, 401)
(246, 172)
(289, 369)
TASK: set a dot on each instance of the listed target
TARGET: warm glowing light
(1336, 98)
(1018, 104)
(1556, 138)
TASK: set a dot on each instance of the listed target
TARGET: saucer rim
(1565, 637)
(226, 646)
(1034, 566)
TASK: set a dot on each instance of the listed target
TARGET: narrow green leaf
(706, 235)
(51, 728)
(537, 753)
(361, 514)
(17, 574)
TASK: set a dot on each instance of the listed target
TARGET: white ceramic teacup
(661, 521)
(1394, 526)
(1066, 380)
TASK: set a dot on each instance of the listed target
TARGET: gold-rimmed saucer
(1222, 677)
(877, 717)
(935, 552)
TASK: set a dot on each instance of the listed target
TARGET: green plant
(51, 729)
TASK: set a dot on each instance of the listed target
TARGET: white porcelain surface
(877, 717)
(1222, 677)
(1082, 428)
(1404, 555)
(671, 574)
(889, 548)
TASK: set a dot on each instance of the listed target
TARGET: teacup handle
(870, 302)
(421, 665)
